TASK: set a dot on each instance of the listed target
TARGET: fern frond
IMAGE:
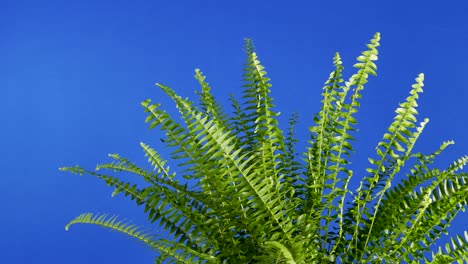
(337, 138)
(263, 135)
(113, 223)
(395, 148)
(276, 252)
(159, 177)
(157, 198)
(455, 251)
(435, 207)
(176, 135)
(178, 251)
(291, 168)
(208, 102)
(322, 134)
(119, 186)
(187, 148)
(326, 163)
(398, 204)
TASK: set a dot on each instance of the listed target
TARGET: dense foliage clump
(254, 199)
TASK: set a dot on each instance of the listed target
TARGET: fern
(238, 191)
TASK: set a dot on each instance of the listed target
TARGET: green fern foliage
(237, 190)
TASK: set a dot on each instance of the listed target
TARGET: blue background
(72, 75)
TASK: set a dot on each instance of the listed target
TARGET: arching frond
(177, 251)
(167, 208)
(112, 222)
